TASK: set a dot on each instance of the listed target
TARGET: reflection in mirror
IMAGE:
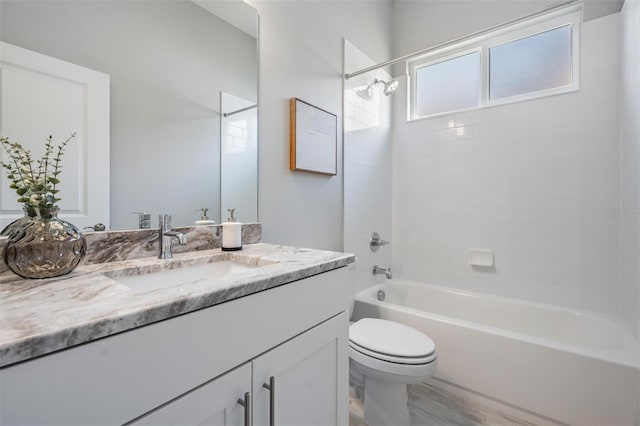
(239, 162)
(168, 61)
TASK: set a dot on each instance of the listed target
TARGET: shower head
(390, 87)
(367, 92)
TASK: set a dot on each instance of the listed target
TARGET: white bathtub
(569, 366)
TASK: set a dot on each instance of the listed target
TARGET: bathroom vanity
(253, 337)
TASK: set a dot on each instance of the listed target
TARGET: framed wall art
(314, 139)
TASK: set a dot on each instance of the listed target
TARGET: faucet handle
(164, 221)
(144, 220)
(376, 242)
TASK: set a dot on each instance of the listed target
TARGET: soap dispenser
(204, 220)
(231, 233)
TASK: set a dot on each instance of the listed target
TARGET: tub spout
(382, 271)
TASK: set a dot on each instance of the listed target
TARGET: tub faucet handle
(376, 242)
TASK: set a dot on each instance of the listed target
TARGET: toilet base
(385, 403)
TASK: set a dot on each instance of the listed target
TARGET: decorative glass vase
(29, 212)
(43, 246)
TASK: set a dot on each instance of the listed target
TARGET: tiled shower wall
(629, 212)
(535, 181)
(367, 168)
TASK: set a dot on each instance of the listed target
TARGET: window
(531, 64)
(449, 85)
(525, 61)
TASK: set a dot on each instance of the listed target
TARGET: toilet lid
(390, 338)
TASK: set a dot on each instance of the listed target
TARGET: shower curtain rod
(226, 114)
(501, 25)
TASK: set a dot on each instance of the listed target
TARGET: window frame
(570, 16)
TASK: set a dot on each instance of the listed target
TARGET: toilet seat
(391, 341)
(417, 360)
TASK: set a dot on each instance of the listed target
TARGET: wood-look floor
(433, 406)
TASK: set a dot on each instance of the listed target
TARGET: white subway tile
(530, 180)
(372, 107)
(366, 118)
(349, 110)
(352, 98)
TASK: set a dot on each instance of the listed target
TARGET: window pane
(449, 85)
(531, 64)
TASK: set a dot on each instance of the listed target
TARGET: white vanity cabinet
(304, 386)
(193, 369)
(307, 379)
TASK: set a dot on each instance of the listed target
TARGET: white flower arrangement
(35, 182)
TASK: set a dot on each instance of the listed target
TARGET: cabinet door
(310, 378)
(214, 403)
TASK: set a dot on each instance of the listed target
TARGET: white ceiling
(596, 8)
(238, 13)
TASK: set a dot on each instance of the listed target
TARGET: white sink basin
(182, 275)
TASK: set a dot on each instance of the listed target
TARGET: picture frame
(313, 139)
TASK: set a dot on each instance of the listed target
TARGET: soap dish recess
(481, 258)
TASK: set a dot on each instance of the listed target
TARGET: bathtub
(568, 366)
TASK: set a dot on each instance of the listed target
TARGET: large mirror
(182, 102)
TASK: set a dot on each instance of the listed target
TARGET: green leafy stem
(36, 183)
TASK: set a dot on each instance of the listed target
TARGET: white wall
(532, 181)
(301, 56)
(418, 24)
(367, 168)
(629, 213)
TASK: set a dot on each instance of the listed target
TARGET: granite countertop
(38, 317)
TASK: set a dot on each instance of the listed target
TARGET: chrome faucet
(382, 271)
(166, 234)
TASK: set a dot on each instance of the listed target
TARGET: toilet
(384, 357)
